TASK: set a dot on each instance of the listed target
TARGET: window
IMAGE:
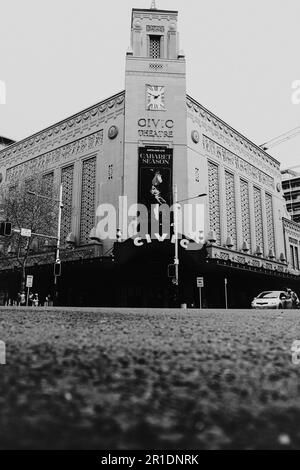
(88, 194)
(154, 47)
(296, 258)
(292, 256)
(110, 172)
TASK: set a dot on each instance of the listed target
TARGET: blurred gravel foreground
(149, 379)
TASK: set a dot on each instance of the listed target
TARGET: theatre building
(139, 144)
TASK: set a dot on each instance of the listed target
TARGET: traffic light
(5, 229)
(172, 270)
(57, 268)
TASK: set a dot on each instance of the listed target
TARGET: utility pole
(57, 258)
(176, 258)
(226, 292)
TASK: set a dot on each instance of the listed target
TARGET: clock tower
(155, 107)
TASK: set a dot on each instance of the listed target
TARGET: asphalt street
(149, 379)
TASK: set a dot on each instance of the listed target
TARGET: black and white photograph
(149, 228)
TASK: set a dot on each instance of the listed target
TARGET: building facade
(153, 135)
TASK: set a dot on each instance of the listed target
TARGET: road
(149, 379)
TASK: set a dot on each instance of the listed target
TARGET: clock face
(155, 98)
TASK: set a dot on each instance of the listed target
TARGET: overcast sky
(60, 56)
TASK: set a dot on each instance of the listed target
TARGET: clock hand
(152, 94)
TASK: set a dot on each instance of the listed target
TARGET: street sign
(5, 229)
(25, 232)
(29, 281)
(200, 285)
(171, 271)
(57, 268)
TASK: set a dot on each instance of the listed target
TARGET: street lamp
(176, 257)
(57, 267)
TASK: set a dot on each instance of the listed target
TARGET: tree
(26, 210)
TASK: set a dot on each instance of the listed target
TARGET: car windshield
(268, 295)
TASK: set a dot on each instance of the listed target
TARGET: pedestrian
(295, 300)
(30, 299)
(35, 301)
(19, 298)
(22, 299)
(50, 301)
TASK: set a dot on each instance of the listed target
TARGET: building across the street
(137, 145)
(291, 191)
(5, 142)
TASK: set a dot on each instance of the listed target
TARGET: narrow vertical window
(292, 256)
(88, 193)
(67, 176)
(245, 206)
(296, 258)
(258, 218)
(230, 207)
(154, 47)
(270, 222)
(214, 200)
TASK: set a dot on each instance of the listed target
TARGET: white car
(272, 299)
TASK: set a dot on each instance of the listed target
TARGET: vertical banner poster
(155, 186)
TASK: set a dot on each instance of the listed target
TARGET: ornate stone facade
(231, 208)
(214, 200)
(88, 198)
(245, 212)
(237, 163)
(67, 130)
(232, 139)
(51, 159)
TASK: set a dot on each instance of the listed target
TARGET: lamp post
(57, 250)
(176, 255)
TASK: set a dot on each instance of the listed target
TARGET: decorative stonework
(64, 130)
(291, 228)
(232, 139)
(168, 15)
(245, 209)
(230, 208)
(214, 200)
(245, 260)
(113, 131)
(237, 163)
(154, 66)
(49, 159)
(154, 29)
(270, 222)
(195, 136)
(88, 193)
(258, 218)
(67, 177)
